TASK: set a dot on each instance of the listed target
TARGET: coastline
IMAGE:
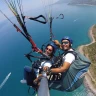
(88, 77)
(82, 4)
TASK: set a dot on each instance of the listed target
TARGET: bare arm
(61, 69)
(57, 43)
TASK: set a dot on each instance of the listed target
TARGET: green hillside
(90, 52)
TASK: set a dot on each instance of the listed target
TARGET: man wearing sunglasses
(66, 45)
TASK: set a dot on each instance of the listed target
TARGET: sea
(76, 23)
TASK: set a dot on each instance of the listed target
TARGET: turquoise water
(76, 23)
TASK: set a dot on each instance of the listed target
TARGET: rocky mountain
(64, 1)
(91, 2)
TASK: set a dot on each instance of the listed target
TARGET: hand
(57, 42)
(45, 68)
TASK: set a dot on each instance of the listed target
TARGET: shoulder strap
(78, 55)
(73, 52)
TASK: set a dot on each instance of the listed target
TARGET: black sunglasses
(64, 43)
(48, 49)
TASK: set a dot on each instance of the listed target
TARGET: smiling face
(65, 45)
(49, 50)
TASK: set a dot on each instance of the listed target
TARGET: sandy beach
(88, 77)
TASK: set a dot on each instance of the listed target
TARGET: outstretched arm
(57, 43)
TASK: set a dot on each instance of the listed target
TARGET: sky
(27, 5)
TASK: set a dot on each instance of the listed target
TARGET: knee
(27, 68)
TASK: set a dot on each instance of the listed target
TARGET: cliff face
(91, 2)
